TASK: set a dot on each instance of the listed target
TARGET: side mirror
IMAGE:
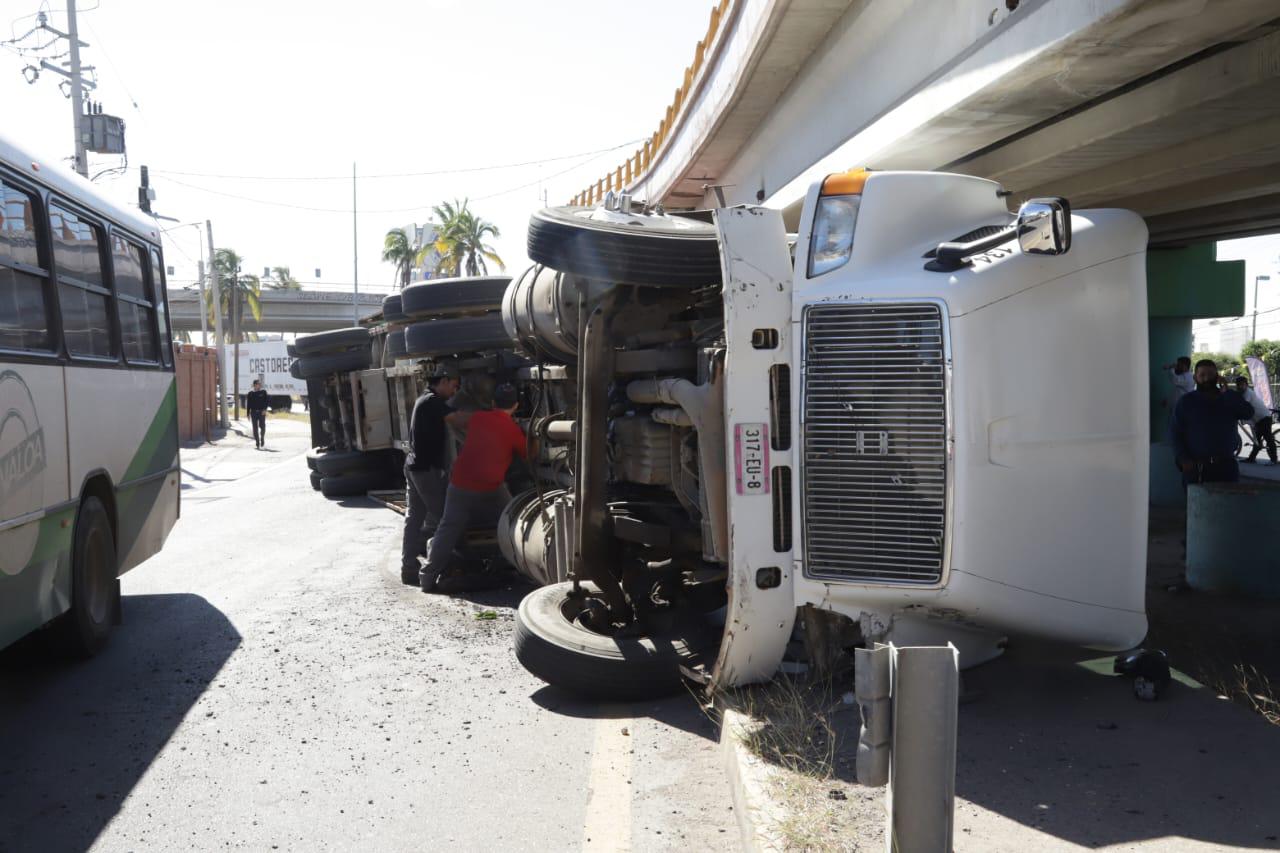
(1044, 226)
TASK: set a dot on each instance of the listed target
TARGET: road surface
(275, 687)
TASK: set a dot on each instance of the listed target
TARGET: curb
(749, 782)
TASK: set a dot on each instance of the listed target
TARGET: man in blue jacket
(1204, 429)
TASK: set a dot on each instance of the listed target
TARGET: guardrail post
(909, 698)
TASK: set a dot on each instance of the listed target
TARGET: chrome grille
(875, 443)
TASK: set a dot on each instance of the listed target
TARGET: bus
(89, 477)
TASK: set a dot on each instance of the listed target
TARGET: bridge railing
(638, 163)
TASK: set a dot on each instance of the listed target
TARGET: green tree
(401, 249)
(230, 280)
(282, 279)
(460, 240)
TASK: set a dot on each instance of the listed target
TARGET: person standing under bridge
(426, 468)
(1203, 429)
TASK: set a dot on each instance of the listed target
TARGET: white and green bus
(89, 477)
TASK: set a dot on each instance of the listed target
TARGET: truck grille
(875, 443)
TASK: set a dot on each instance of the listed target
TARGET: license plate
(751, 458)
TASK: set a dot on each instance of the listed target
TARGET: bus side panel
(126, 423)
(35, 564)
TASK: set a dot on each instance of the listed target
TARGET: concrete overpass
(296, 311)
(1167, 107)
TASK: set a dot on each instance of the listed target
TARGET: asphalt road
(275, 687)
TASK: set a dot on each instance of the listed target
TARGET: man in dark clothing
(477, 485)
(426, 469)
(257, 402)
(1203, 429)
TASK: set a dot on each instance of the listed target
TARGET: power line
(345, 211)
(452, 171)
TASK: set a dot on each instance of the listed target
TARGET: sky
(229, 104)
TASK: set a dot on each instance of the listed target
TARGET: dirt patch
(806, 736)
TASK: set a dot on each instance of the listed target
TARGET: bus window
(133, 302)
(158, 289)
(24, 318)
(86, 318)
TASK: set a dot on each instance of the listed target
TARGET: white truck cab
(968, 442)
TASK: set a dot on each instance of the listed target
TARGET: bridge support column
(1182, 285)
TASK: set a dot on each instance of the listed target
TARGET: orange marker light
(845, 183)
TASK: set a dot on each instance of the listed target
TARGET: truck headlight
(833, 225)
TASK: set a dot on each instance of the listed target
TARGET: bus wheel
(95, 589)
(553, 642)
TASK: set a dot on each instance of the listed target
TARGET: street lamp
(1253, 335)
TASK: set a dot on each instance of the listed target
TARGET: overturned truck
(895, 407)
(914, 412)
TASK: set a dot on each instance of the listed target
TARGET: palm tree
(461, 240)
(231, 280)
(282, 279)
(400, 248)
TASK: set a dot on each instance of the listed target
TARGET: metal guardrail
(638, 163)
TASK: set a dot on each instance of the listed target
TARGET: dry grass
(304, 417)
(806, 731)
(1245, 685)
(795, 730)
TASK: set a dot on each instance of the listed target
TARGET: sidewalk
(232, 456)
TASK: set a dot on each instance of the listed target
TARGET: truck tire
(566, 655)
(322, 364)
(391, 311)
(313, 455)
(95, 587)
(457, 335)
(667, 251)
(341, 462)
(452, 296)
(315, 480)
(395, 344)
(336, 340)
(352, 485)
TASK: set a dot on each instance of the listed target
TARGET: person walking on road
(257, 402)
(477, 485)
(1260, 422)
(1203, 429)
(426, 468)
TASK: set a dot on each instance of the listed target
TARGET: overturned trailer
(916, 413)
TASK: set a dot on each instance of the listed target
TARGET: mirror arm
(949, 257)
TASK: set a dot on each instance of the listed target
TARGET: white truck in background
(268, 361)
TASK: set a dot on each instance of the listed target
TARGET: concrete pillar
(1183, 284)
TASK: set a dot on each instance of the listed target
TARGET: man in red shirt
(477, 484)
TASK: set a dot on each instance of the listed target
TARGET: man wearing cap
(477, 491)
(426, 468)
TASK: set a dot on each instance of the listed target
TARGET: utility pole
(235, 343)
(355, 253)
(77, 91)
(1253, 335)
(204, 320)
(217, 328)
